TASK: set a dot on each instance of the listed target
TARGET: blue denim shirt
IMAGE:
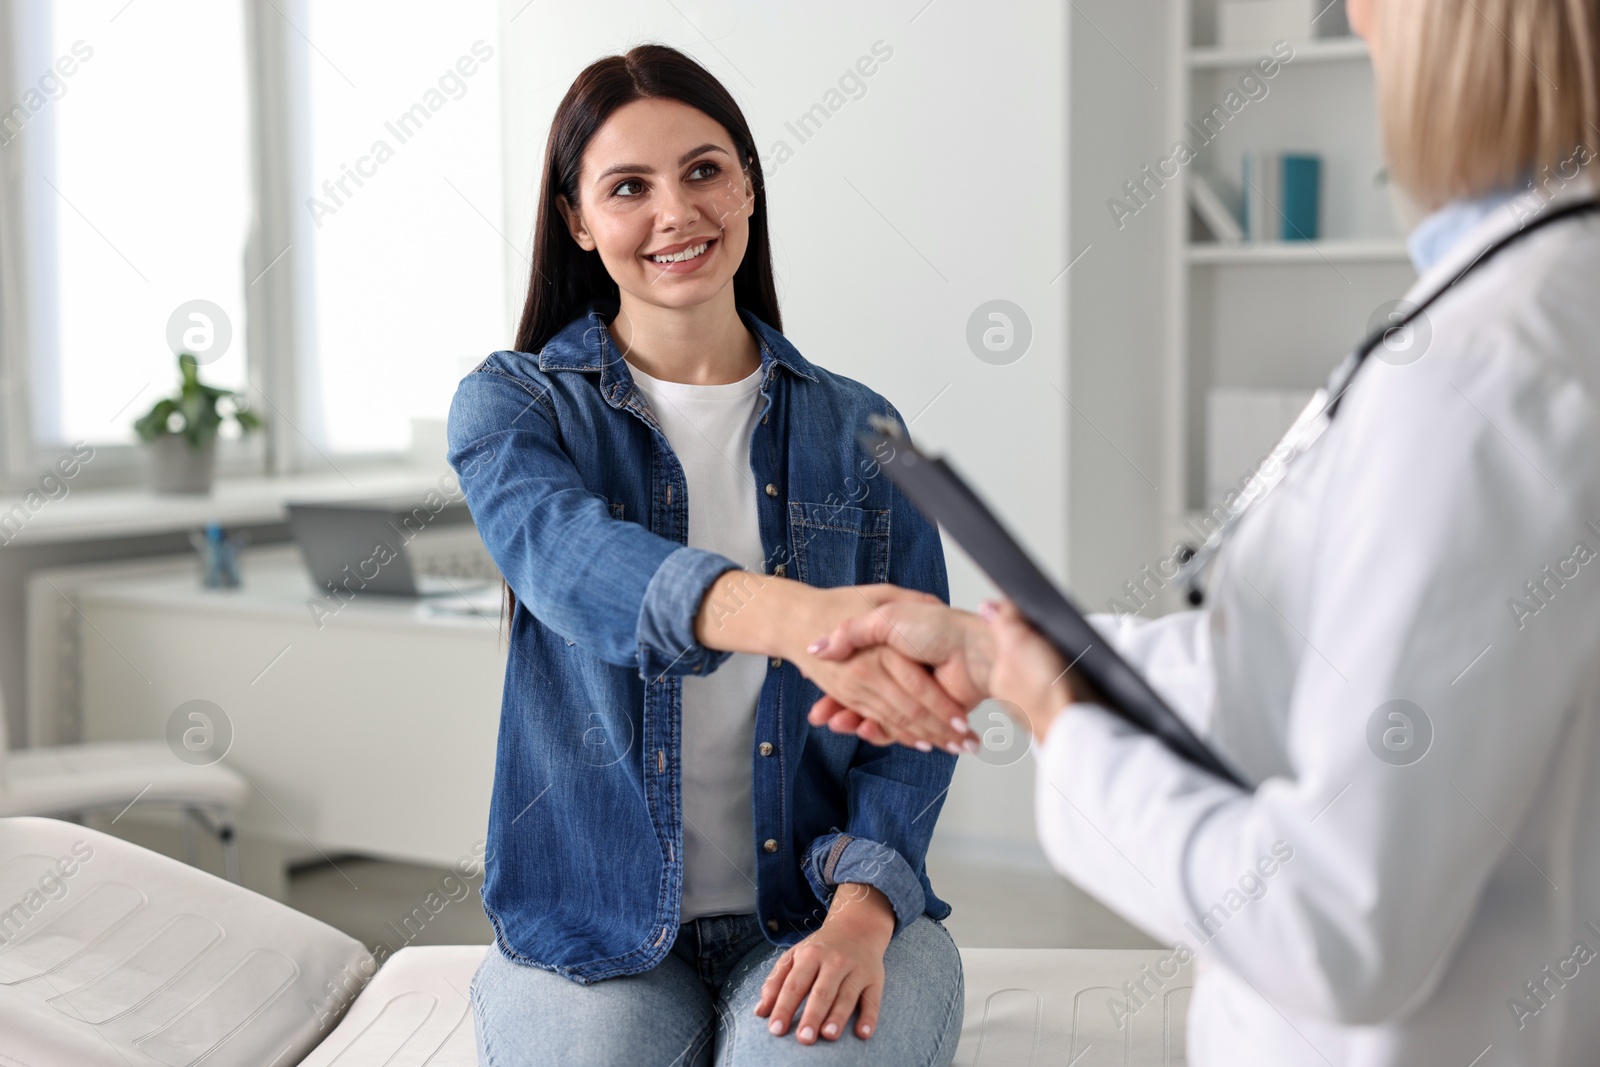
(582, 504)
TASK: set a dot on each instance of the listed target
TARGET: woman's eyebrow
(707, 147)
(643, 168)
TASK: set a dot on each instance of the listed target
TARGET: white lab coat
(1418, 901)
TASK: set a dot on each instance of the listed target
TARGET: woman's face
(665, 200)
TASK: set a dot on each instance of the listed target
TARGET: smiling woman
(675, 860)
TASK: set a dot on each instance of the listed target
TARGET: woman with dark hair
(675, 859)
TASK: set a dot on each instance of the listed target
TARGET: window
(133, 185)
(132, 130)
(400, 208)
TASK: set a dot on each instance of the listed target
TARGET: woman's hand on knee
(835, 970)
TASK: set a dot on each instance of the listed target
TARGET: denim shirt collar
(1440, 231)
(585, 344)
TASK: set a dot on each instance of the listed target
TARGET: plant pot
(176, 467)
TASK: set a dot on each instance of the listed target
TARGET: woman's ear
(749, 192)
(574, 220)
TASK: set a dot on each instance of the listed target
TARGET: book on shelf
(1300, 178)
(1213, 211)
(1282, 196)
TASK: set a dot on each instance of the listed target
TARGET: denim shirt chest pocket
(839, 544)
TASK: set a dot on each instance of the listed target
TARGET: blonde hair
(1479, 95)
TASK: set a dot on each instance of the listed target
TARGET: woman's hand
(833, 970)
(956, 644)
(744, 612)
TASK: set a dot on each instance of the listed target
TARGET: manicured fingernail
(971, 744)
(774, 1027)
(807, 1034)
(923, 746)
(952, 748)
(988, 609)
(816, 647)
(959, 724)
(831, 1029)
(866, 1029)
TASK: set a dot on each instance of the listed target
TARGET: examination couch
(114, 956)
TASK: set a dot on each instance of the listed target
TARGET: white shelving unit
(1346, 251)
(1267, 315)
(1330, 50)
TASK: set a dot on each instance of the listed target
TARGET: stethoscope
(1314, 420)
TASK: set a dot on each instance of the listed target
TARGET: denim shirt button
(781, 570)
(777, 661)
(772, 924)
(772, 490)
(765, 748)
(769, 845)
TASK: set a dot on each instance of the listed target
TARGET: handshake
(895, 666)
(904, 668)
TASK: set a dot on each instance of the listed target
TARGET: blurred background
(1025, 226)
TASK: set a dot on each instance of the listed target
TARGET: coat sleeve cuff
(672, 600)
(837, 859)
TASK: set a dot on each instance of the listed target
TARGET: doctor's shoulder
(1527, 318)
(1536, 303)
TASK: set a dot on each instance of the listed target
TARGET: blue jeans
(697, 1007)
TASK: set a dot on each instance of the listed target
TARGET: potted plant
(180, 432)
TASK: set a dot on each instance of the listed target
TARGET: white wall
(1118, 293)
(940, 188)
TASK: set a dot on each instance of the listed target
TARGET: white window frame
(274, 273)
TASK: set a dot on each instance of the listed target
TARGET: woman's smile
(684, 257)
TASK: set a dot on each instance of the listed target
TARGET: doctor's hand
(1028, 673)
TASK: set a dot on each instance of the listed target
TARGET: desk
(101, 525)
(374, 733)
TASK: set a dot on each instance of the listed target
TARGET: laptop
(356, 543)
(941, 495)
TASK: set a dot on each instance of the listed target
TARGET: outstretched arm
(744, 612)
(634, 598)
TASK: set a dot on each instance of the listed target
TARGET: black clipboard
(943, 497)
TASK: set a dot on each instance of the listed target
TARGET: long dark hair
(565, 278)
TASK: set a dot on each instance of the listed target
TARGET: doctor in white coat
(1401, 648)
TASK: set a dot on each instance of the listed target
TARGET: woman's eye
(631, 187)
(705, 170)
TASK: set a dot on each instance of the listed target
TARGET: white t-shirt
(709, 428)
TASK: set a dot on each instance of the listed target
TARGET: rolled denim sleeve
(839, 859)
(667, 613)
(614, 588)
